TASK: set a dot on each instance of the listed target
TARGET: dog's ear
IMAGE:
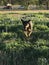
(29, 20)
(22, 20)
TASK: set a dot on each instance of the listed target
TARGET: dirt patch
(26, 11)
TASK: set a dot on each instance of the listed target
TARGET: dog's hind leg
(30, 33)
(25, 32)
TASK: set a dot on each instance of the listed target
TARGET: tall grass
(15, 48)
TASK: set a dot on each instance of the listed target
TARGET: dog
(27, 27)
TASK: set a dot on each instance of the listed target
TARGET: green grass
(20, 50)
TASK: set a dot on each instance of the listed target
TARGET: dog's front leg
(25, 32)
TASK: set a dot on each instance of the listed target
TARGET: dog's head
(25, 22)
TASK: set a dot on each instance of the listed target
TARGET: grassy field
(15, 47)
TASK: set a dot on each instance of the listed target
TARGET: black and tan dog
(27, 27)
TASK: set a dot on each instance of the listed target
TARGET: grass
(15, 48)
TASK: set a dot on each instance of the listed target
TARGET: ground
(15, 48)
(26, 11)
